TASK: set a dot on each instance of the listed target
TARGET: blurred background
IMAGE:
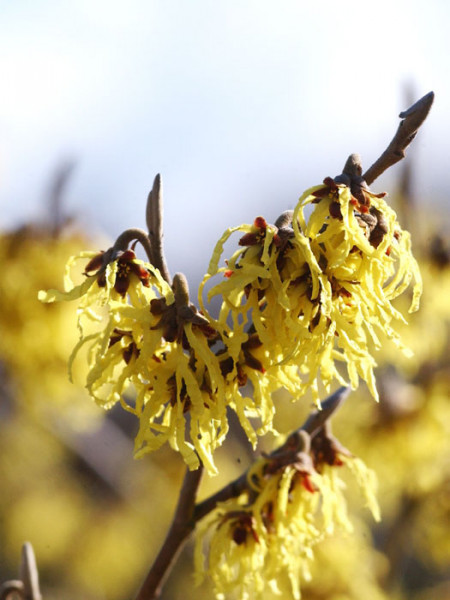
(240, 107)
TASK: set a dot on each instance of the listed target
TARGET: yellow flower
(181, 381)
(427, 332)
(123, 278)
(318, 292)
(266, 538)
(365, 262)
(150, 355)
(34, 338)
(237, 552)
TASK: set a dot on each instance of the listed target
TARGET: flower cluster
(265, 538)
(144, 337)
(150, 350)
(316, 291)
(297, 297)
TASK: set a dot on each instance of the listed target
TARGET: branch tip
(412, 119)
(422, 107)
(318, 418)
(180, 288)
(154, 219)
(353, 166)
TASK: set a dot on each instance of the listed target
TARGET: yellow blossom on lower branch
(266, 538)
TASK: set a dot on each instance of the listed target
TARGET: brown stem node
(285, 219)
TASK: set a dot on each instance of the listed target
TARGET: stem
(56, 196)
(27, 587)
(318, 418)
(312, 425)
(29, 573)
(154, 217)
(397, 540)
(182, 525)
(406, 132)
(130, 235)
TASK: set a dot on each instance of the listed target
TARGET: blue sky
(240, 105)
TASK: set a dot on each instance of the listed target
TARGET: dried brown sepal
(380, 229)
(251, 361)
(173, 318)
(300, 460)
(249, 239)
(326, 449)
(260, 223)
(330, 189)
(126, 267)
(95, 263)
(131, 351)
(253, 238)
(243, 524)
(335, 210)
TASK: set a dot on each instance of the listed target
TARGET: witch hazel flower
(317, 291)
(361, 262)
(148, 349)
(109, 276)
(266, 538)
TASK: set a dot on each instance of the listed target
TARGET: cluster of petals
(138, 360)
(158, 360)
(266, 538)
(318, 291)
(296, 300)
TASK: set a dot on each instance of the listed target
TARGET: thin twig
(154, 217)
(405, 195)
(312, 425)
(130, 235)
(27, 587)
(56, 193)
(318, 418)
(29, 573)
(406, 132)
(182, 525)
